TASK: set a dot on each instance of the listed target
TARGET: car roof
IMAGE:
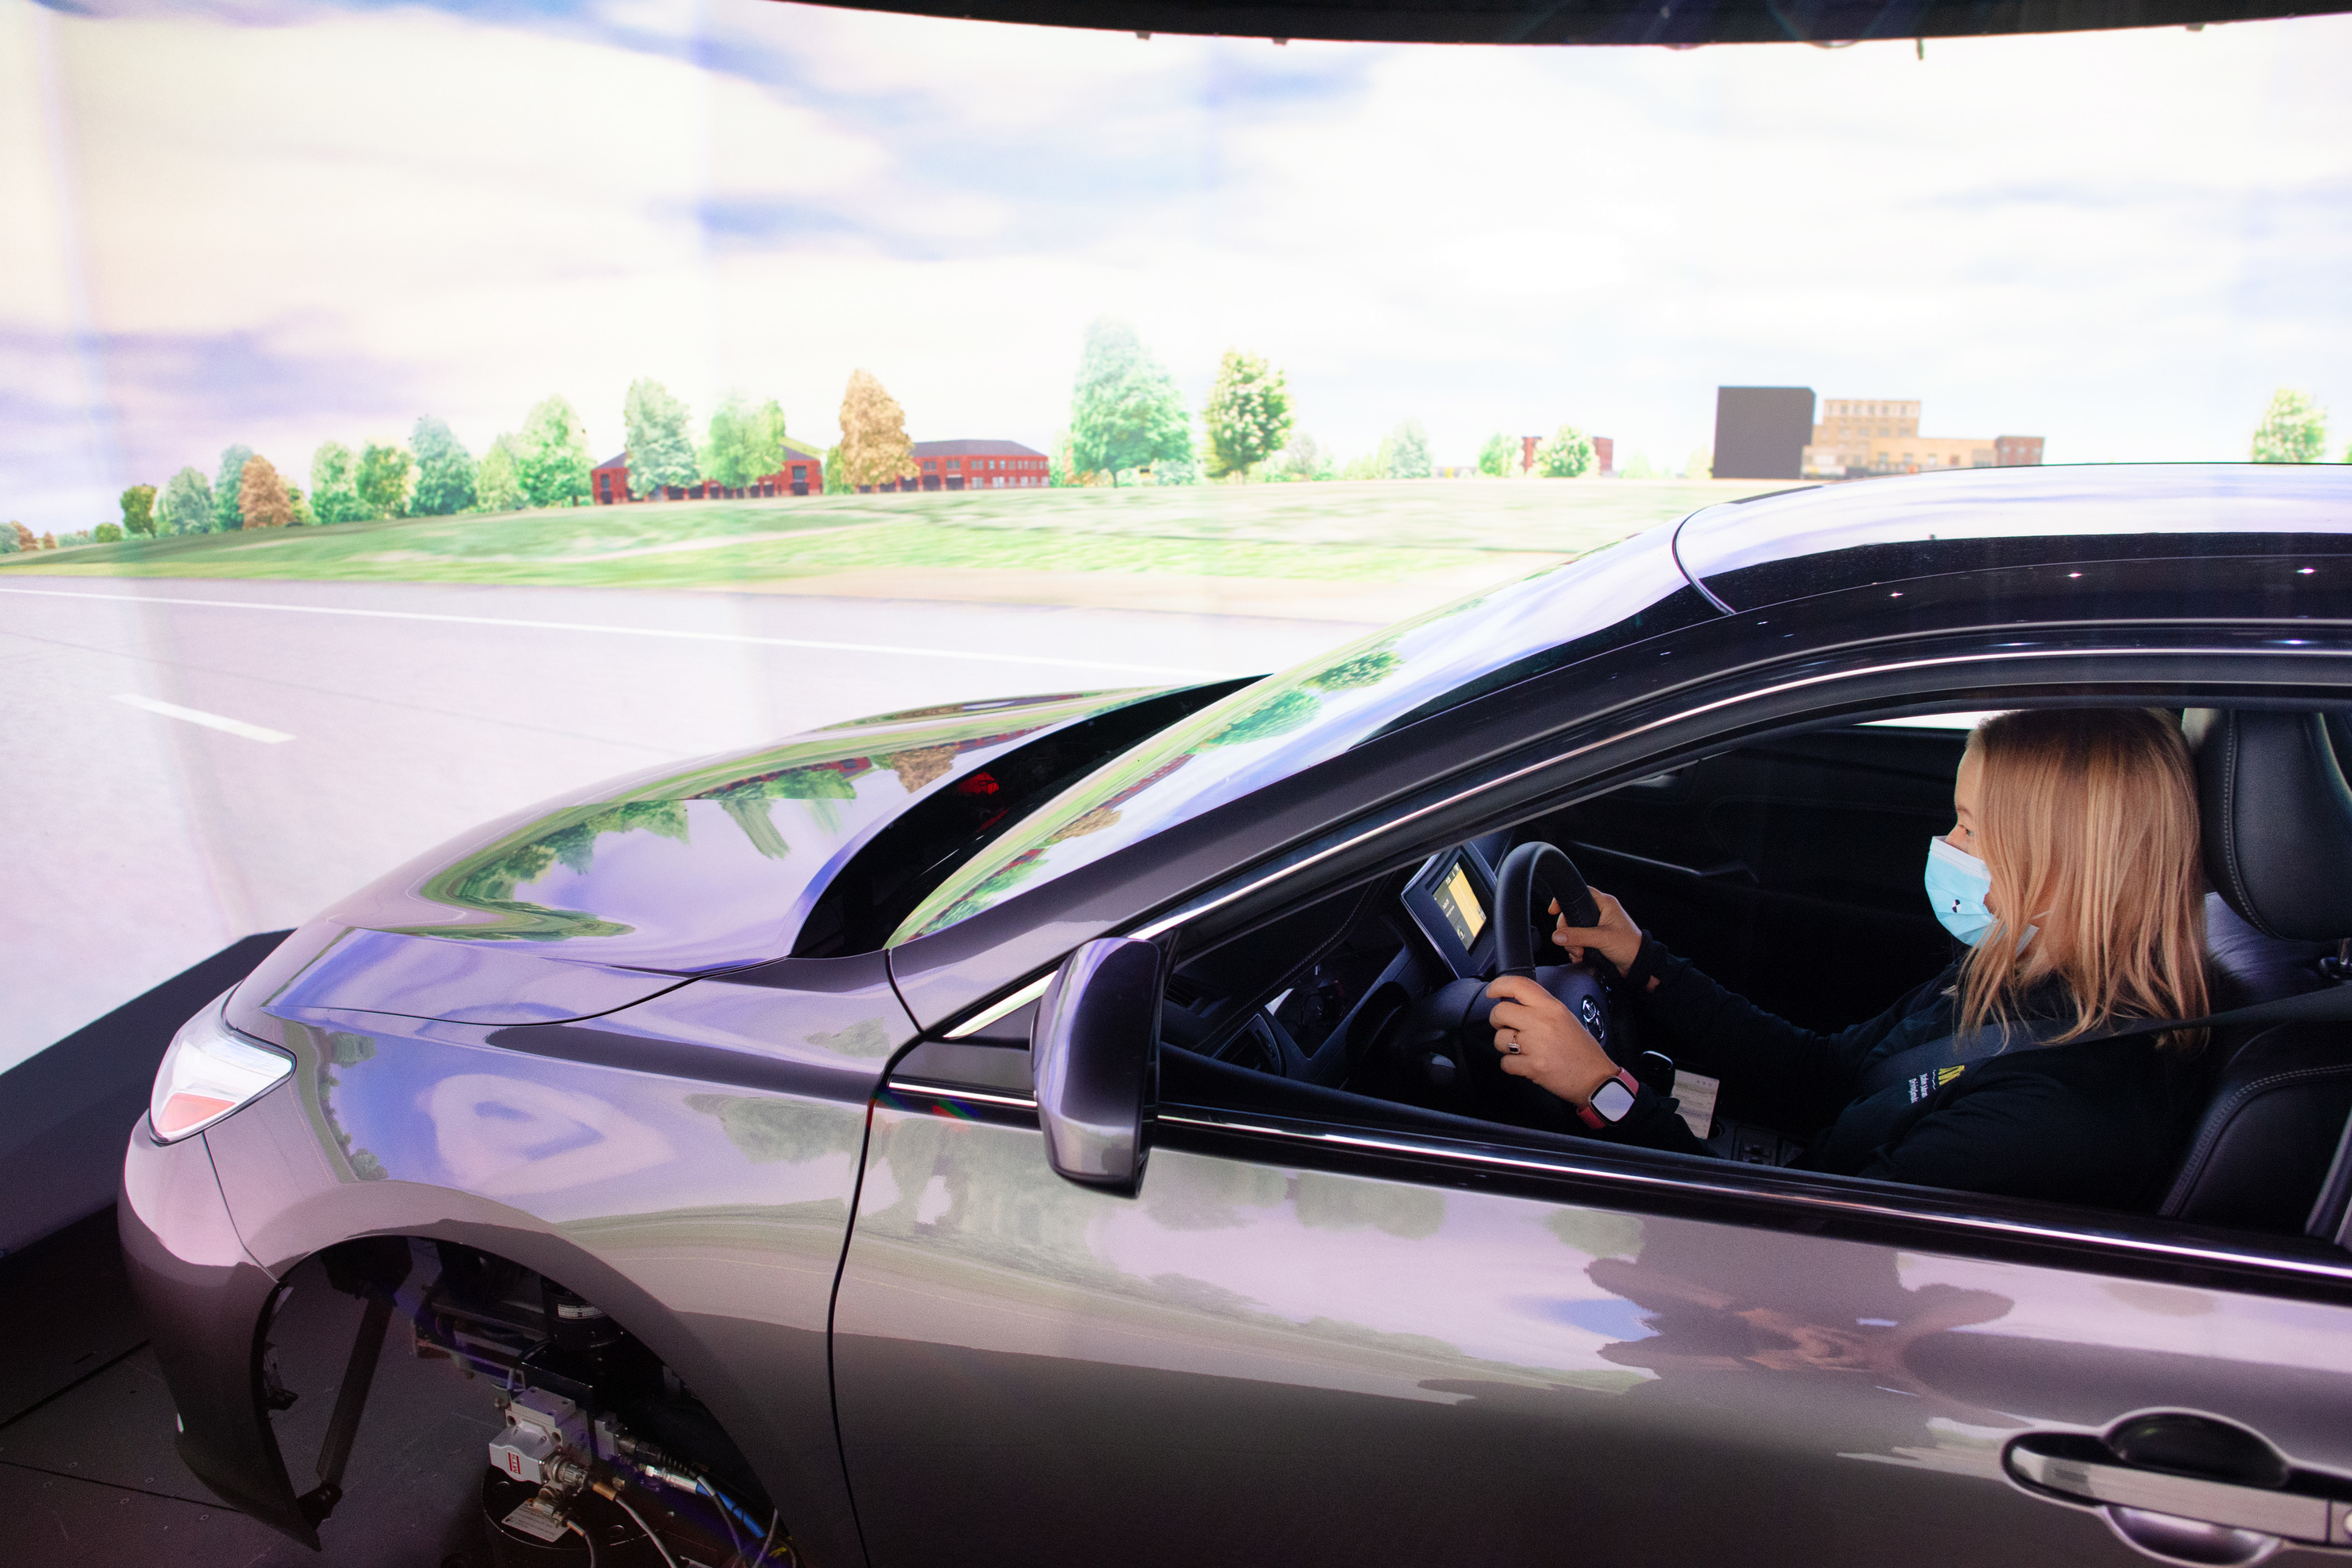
(1589, 23)
(2138, 506)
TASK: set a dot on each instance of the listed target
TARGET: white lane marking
(199, 716)
(964, 654)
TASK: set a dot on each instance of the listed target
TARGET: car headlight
(210, 1070)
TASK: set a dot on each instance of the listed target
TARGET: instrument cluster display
(1458, 901)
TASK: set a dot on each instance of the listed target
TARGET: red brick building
(1605, 454)
(976, 466)
(802, 474)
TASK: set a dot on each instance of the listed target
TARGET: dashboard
(1306, 997)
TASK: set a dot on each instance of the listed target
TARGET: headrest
(2277, 820)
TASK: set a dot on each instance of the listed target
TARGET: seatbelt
(1930, 1066)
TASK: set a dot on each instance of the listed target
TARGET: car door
(1304, 1344)
(1314, 1336)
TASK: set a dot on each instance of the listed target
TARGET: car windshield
(1276, 727)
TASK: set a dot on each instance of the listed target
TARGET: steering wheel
(1534, 877)
(1531, 880)
(1442, 1047)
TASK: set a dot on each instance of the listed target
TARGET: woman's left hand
(1541, 1040)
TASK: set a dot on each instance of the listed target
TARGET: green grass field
(1335, 532)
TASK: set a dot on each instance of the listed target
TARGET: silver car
(1040, 1131)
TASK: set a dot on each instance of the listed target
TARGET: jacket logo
(1922, 1084)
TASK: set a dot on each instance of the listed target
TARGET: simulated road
(189, 762)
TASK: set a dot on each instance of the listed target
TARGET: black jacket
(2089, 1123)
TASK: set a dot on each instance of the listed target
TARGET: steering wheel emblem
(1596, 1021)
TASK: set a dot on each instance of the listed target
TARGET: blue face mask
(1956, 884)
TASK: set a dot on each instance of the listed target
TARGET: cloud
(2121, 241)
(161, 405)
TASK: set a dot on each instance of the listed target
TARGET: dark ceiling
(1669, 22)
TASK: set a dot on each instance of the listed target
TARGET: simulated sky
(282, 223)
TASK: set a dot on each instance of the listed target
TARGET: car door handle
(2184, 1487)
(2314, 1521)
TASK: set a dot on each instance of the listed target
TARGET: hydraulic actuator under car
(604, 1459)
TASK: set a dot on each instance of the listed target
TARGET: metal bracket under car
(372, 1271)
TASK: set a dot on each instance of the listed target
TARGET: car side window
(1755, 865)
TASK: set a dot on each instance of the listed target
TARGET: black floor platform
(88, 1478)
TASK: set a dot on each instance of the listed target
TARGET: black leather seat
(2277, 824)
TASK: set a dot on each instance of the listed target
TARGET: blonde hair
(2087, 820)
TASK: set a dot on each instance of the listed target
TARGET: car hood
(604, 898)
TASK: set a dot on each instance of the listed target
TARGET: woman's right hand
(1616, 938)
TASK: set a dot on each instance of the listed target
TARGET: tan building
(1880, 436)
(1843, 439)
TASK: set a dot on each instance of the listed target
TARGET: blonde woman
(2073, 874)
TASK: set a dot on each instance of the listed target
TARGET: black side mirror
(1091, 1053)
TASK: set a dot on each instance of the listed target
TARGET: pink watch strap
(1593, 1118)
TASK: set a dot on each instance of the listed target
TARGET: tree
(303, 516)
(1568, 454)
(874, 446)
(747, 444)
(498, 484)
(1499, 456)
(2293, 430)
(1407, 452)
(444, 469)
(835, 484)
(334, 487)
(384, 481)
(551, 459)
(1700, 465)
(107, 534)
(1248, 415)
(765, 448)
(261, 499)
(139, 510)
(661, 451)
(1125, 411)
(12, 538)
(1059, 474)
(1183, 469)
(1302, 460)
(186, 504)
(224, 488)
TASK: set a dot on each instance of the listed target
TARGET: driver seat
(2276, 818)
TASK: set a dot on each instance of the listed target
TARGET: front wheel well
(574, 1424)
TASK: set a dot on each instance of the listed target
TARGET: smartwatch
(1610, 1101)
